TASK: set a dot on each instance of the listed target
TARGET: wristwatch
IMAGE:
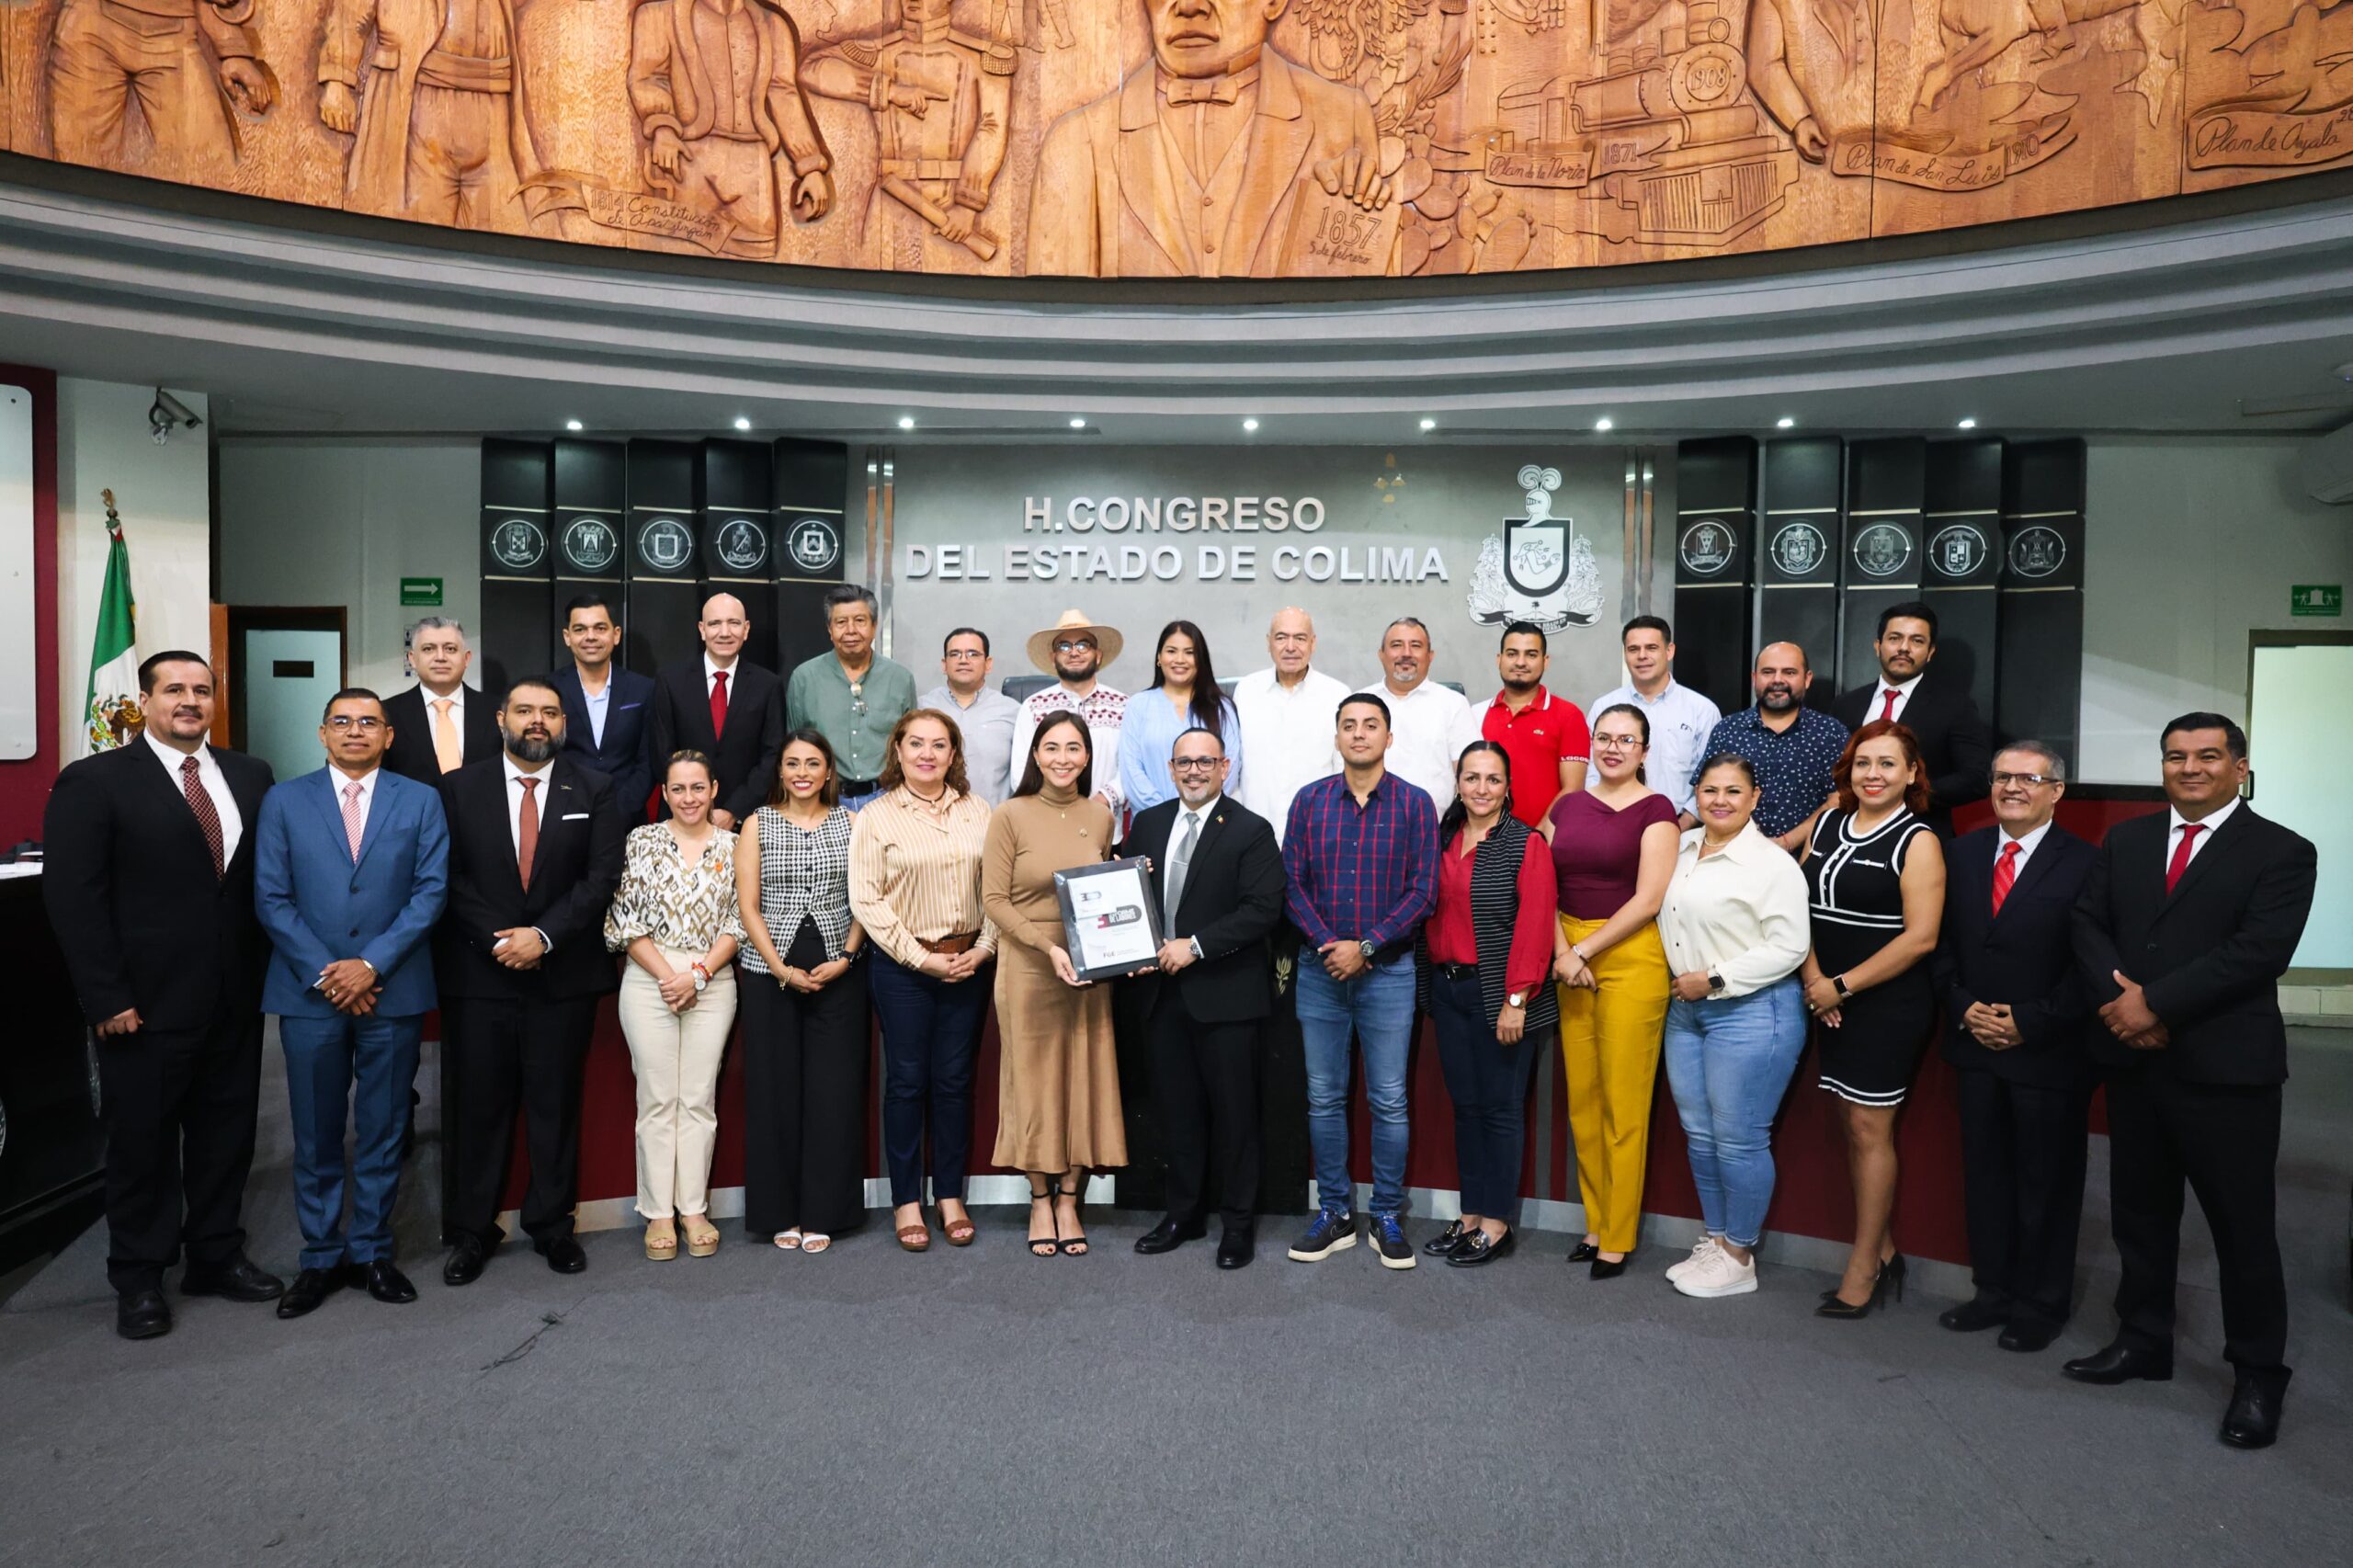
(1368, 949)
(1715, 981)
(1840, 981)
(1514, 998)
(702, 978)
(1194, 943)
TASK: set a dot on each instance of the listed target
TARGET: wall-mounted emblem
(1798, 549)
(742, 544)
(665, 544)
(1705, 548)
(814, 543)
(2037, 551)
(591, 544)
(1958, 550)
(1537, 569)
(519, 544)
(1883, 550)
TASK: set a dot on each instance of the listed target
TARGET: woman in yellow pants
(1613, 850)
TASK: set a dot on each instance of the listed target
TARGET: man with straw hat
(1071, 651)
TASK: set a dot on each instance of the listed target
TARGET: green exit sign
(2317, 598)
(427, 591)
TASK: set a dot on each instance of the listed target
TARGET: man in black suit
(1956, 745)
(439, 724)
(2184, 928)
(607, 710)
(535, 853)
(725, 706)
(2016, 1019)
(149, 879)
(1221, 886)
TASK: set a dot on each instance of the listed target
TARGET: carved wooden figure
(184, 62)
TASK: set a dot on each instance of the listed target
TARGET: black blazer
(2023, 958)
(1233, 896)
(128, 882)
(573, 874)
(627, 755)
(755, 740)
(412, 755)
(1956, 743)
(2211, 955)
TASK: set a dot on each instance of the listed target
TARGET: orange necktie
(448, 750)
(527, 829)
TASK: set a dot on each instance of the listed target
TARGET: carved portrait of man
(716, 87)
(941, 100)
(435, 93)
(1218, 158)
(185, 61)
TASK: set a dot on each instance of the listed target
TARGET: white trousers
(676, 1057)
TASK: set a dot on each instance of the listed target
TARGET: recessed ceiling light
(1078, 424)
(1969, 423)
(1603, 423)
(1429, 424)
(573, 425)
(742, 423)
(1249, 425)
(1783, 423)
(906, 422)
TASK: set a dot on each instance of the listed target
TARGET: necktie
(526, 829)
(1887, 712)
(1181, 862)
(718, 703)
(2180, 861)
(208, 815)
(352, 822)
(448, 750)
(2006, 871)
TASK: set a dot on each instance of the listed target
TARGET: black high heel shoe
(1836, 1306)
(1892, 1271)
(1584, 1252)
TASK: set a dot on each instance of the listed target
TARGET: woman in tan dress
(1057, 1080)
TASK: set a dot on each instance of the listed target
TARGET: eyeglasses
(345, 722)
(1194, 764)
(1615, 743)
(1074, 647)
(2028, 778)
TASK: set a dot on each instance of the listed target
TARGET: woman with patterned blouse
(805, 1035)
(674, 916)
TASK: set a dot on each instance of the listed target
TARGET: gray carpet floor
(979, 1406)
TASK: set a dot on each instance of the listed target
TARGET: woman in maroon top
(1613, 848)
(1481, 961)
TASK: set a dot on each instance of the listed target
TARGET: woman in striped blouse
(805, 1056)
(915, 884)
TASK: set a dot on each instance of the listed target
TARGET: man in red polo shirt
(1545, 736)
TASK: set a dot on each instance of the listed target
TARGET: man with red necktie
(1956, 745)
(2184, 928)
(725, 706)
(149, 879)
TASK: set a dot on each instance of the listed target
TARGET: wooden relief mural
(1188, 138)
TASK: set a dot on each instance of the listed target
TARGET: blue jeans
(1376, 1007)
(931, 1030)
(1728, 1061)
(370, 1062)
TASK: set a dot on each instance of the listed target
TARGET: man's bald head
(723, 627)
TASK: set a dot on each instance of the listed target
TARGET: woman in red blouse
(1484, 957)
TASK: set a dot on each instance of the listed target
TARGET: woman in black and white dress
(1875, 874)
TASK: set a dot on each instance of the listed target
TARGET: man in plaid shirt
(1361, 852)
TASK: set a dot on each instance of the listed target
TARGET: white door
(2302, 752)
(290, 675)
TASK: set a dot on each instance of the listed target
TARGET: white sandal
(788, 1241)
(815, 1242)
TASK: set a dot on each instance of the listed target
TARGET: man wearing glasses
(852, 696)
(351, 872)
(1072, 650)
(986, 717)
(2016, 1017)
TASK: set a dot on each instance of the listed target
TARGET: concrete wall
(163, 494)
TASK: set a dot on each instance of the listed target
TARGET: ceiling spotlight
(573, 425)
(1969, 424)
(906, 422)
(1249, 425)
(1076, 424)
(1429, 424)
(742, 423)
(1783, 423)
(1603, 423)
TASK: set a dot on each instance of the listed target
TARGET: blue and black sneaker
(1388, 1240)
(1334, 1231)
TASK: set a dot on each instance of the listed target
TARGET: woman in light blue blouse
(1184, 696)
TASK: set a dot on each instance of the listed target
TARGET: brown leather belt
(959, 942)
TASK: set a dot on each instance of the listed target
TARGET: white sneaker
(1699, 1250)
(1719, 1274)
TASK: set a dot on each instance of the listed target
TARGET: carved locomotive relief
(1188, 138)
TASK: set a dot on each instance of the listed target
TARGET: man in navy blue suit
(607, 710)
(350, 873)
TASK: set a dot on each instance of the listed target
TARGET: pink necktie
(351, 819)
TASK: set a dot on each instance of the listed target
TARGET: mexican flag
(111, 708)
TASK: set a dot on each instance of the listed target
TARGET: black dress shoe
(143, 1314)
(310, 1289)
(2029, 1337)
(2253, 1419)
(1444, 1244)
(468, 1258)
(2121, 1363)
(1170, 1234)
(1478, 1249)
(1604, 1269)
(1236, 1248)
(564, 1255)
(1979, 1313)
(239, 1279)
(387, 1283)
(1584, 1252)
